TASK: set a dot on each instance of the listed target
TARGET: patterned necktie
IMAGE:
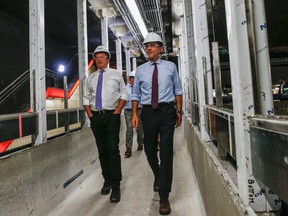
(154, 98)
(99, 91)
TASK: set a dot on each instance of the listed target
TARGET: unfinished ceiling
(162, 17)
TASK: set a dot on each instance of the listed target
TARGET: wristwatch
(180, 111)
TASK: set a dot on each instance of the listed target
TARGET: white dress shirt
(113, 89)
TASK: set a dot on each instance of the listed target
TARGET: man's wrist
(180, 112)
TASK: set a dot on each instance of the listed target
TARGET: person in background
(104, 97)
(157, 87)
(283, 85)
(128, 118)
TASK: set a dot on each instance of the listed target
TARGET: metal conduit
(150, 10)
(132, 25)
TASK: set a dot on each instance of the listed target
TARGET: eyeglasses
(100, 56)
(151, 45)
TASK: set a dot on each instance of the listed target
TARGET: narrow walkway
(137, 197)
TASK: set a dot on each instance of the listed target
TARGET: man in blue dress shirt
(161, 116)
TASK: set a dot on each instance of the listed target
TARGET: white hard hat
(101, 49)
(132, 73)
(152, 37)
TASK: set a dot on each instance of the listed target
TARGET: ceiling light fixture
(137, 16)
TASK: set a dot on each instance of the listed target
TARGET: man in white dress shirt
(104, 97)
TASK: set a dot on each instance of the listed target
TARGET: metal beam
(202, 61)
(262, 74)
(82, 45)
(37, 66)
(119, 54)
(243, 101)
(104, 30)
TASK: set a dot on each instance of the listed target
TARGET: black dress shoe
(165, 208)
(140, 148)
(128, 153)
(156, 185)
(106, 189)
(115, 195)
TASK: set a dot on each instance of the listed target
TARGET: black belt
(131, 109)
(162, 104)
(102, 111)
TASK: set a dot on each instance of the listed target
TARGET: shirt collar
(158, 62)
(102, 70)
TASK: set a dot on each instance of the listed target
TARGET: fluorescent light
(137, 16)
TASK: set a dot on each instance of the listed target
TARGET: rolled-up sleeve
(86, 93)
(123, 90)
(135, 93)
(177, 82)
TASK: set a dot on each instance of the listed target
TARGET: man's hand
(178, 120)
(135, 121)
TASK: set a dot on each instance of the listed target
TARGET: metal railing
(6, 93)
(220, 127)
(20, 125)
(269, 145)
(269, 151)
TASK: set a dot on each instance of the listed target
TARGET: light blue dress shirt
(128, 104)
(169, 84)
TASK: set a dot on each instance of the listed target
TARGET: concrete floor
(137, 197)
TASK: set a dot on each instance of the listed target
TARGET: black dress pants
(106, 128)
(162, 120)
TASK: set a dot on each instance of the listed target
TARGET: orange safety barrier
(5, 145)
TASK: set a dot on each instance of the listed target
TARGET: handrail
(269, 152)
(14, 86)
(6, 93)
(18, 125)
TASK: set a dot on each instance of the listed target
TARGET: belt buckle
(101, 111)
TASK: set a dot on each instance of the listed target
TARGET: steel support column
(82, 45)
(202, 52)
(184, 70)
(188, 22)
(264, 79)
(104, 29)
(217, 75)
(243, 101)
(37, 66)
(134, 63)
(262, 71)
(128, 62)
(188, 16)
(119, 54)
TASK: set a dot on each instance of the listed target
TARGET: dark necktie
(99, 91)
(154, 98)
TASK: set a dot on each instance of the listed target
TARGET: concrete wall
(32, 177)
(219, 193)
